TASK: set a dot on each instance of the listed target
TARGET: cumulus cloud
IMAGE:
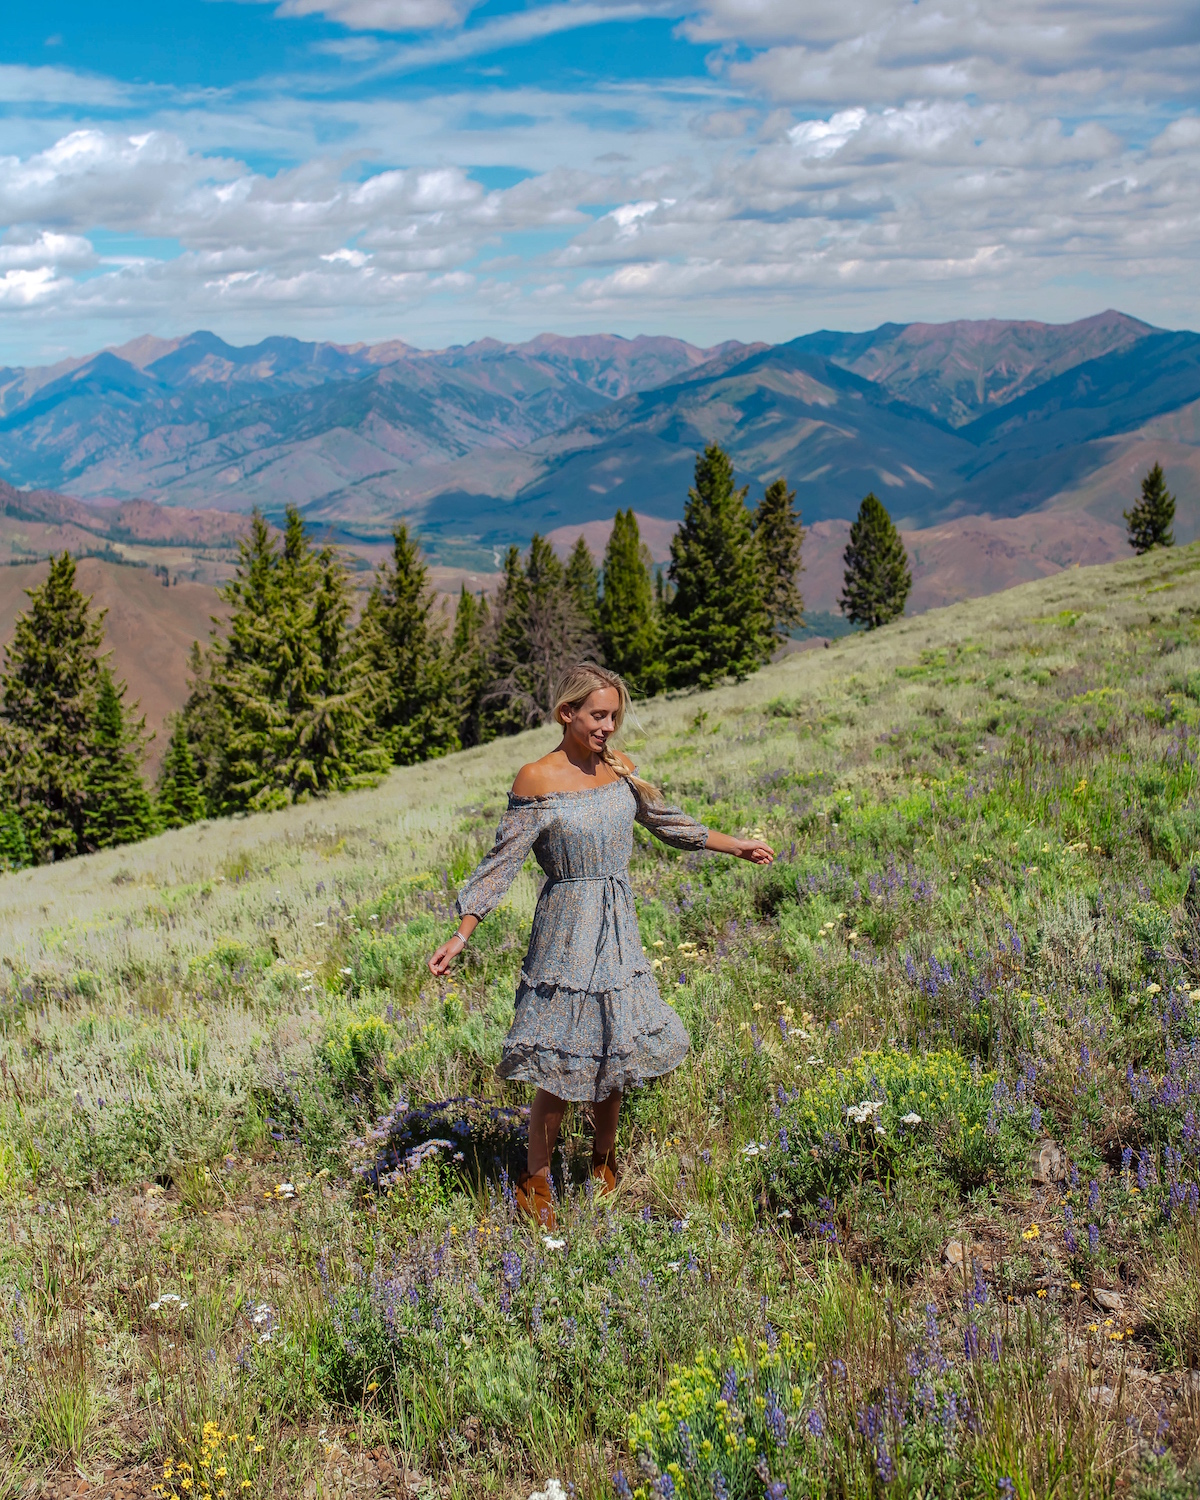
(893, 160)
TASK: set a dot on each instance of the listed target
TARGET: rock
(1108, 1301)
(956, 1253)
(471, 1430)
(1103, 1395)
(1046, 1163)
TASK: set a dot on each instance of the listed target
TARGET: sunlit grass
(228, 1211)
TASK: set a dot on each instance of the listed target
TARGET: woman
(589, 1018)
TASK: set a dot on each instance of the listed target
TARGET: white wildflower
(553, 1244)
(347, 971)
(911, 1119)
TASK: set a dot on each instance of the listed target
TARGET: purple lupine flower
(621, 1485)
(815, 1424)
(1093, 1195)
(1093, 1238)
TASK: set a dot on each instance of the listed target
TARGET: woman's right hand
(447, 953)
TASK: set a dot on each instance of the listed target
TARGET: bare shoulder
(538, 779)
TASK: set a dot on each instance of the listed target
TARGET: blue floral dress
(589, 1018)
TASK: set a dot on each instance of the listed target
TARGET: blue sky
(438, 170)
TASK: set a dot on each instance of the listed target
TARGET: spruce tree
(630, 634)
(403, 651)
(779, 538)
(505, 700)
(583, 582)
(468, 654)
(49, 686)
(1150, 521)
(290, 696)
(14, 843)
(117, 808)
(539, 629)
(877, 578)
(718, 625)
(180, 797)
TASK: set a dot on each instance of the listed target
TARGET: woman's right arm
(453, 946)
(496, 871)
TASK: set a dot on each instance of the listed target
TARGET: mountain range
(485, 443)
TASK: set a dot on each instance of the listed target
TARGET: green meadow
(917, 1217)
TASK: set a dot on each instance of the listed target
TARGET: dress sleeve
(673, 826)
(484, 889)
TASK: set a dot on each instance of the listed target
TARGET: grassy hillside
(917, 1216)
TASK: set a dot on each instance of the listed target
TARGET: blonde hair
(575, 687)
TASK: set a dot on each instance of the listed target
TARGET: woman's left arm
(673, 826)
(754, 850)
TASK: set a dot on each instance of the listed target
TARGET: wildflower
(553, 1244)
(346, 971)
(1031, 1233)
(910, 1119)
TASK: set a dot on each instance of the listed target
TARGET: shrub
(888, 1113)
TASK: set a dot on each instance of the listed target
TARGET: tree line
(293, 698)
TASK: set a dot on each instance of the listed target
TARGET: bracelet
(461, 939)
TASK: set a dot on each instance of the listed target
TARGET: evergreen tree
(402, 647)
(14, 844)
(509, 678)
(630, 634)
(117, 807)
(779, 537)
(1150, 521)
(49, 687)
(180, 797)
(539, 628)
(290, 696)
(718, 625)
(468, 655)
(205, 723)
(877, 578)
(584, 583)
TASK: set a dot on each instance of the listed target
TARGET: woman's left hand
(755, 851)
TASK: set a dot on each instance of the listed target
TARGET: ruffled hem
(584, 1046)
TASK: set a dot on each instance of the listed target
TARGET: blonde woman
(589, 1018)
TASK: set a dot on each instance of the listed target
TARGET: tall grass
(933, 1153)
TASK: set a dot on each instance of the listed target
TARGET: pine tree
(877, 578)
(117, 808)
(779, 538)
(205, 722)
(583, 582)
(539, 629)
(718, 625)
(14, 843)
(402, 646)
(49, 685)
(506, 698)
(180, 797)
(630, 634)
(1150, 521)
(468, 654)
(290, 696)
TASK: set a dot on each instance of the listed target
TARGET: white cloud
(383, 15)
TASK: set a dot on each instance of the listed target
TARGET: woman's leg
(545, 1119)
(605, 1139)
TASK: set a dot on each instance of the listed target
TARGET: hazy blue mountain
(483, 443)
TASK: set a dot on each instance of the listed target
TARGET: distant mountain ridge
(484, 443)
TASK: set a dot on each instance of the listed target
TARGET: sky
(445, 170)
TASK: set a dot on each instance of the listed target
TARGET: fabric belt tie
(608, 921)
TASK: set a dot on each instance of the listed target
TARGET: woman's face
(594, 720)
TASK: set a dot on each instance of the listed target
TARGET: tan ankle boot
(532, 1193)
(604, 1172)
